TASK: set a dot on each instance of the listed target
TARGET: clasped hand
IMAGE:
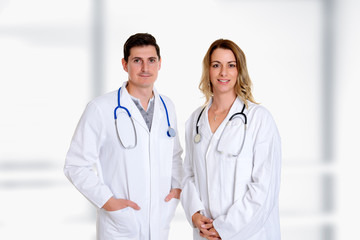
(205, 227)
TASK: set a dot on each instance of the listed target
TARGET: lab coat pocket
(169, 213)
(120, 224)
(232, 138)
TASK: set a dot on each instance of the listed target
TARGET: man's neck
(144, 94)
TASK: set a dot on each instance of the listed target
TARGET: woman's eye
(215, 65)
(231, 65)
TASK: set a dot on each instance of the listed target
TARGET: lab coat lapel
(232, 136)
(204, 127)
(126, 101)
(159, 112)
(236, 107)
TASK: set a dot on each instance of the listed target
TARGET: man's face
(143, 66)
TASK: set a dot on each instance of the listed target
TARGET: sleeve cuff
(103, 198)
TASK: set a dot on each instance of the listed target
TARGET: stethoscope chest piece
(171, 132)
(197, 138)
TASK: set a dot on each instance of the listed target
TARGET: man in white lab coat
(135, 186)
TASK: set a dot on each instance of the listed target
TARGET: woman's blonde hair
(243, 83)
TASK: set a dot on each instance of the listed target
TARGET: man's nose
(145, 66)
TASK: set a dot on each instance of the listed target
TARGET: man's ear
(124, 63)
(159, 64)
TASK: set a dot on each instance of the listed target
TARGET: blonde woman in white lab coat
(233, 155)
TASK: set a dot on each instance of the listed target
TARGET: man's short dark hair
(137, 40)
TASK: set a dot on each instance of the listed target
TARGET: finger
(207, 225)
(216, 234)
(177, 192)
(206, 219)
(207, 232)
(169, 197)
(133, 205)
(211, 238)
(203, 235)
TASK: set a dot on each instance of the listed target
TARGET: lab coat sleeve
(248, 214)
(189, 196)
(83, 155)
(177, 171)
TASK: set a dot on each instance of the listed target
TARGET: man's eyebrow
(142, 58)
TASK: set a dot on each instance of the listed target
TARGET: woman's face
(223, 71)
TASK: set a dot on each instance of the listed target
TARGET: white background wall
(47, 69)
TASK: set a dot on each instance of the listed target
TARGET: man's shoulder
(105, 98)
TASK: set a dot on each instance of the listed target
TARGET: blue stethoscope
(197, 137)
(170, 132)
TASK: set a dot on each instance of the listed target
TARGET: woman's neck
(222, 102)
(219, 109)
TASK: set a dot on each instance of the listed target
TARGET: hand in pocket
(114, 204)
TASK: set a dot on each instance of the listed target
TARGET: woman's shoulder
(258, 110)
(196, 112)
(260, 117)
(194, 115)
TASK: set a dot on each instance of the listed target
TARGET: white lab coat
(144, 175)
(239, 193)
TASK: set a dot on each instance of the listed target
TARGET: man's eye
(137, 61)
(152, 60)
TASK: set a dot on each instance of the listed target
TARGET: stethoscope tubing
(170, 132)
(198, 119)
(197, 138)
(240, 113)
(119, 106)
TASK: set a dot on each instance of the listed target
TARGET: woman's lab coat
(144, 175)
(239, 192)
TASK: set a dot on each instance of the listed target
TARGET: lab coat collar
(126, 101)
